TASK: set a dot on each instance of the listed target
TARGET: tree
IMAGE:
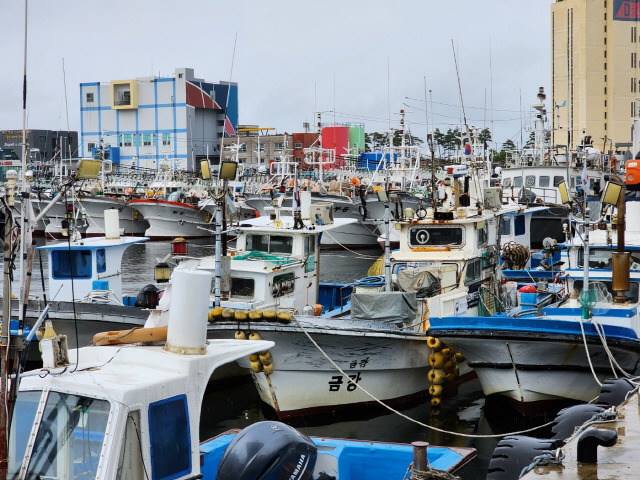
(508, 145)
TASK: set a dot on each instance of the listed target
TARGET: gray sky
(355, 61)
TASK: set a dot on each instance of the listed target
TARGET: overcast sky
(354, 61)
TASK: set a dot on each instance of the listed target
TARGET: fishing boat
(146, 423)
(559, 343)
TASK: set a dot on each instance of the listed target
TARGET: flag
(467, 149)
(584, 177)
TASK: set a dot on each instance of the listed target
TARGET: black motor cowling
(268, 451)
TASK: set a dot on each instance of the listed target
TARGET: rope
(547, 458)
(431, 473)
(393, 410)
(326, 232)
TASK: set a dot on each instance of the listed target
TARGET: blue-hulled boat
(558, 343)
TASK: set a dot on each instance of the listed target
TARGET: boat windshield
(68, 439)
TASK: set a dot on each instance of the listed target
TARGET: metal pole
(387, 250)
(5, 343)
(218, 249)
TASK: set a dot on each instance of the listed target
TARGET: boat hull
(168, 220)
(390, 364)
(533, 367)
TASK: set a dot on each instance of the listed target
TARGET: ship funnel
(187, 331)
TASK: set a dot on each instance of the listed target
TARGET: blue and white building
(157, 122)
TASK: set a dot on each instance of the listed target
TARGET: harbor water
(236, 404)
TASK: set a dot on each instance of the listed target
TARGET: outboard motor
(268, 451)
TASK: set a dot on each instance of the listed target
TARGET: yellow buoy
(284, 317)
(228, 313)
(269, 315)
(241, 315)
(255, 315)
(459, 357)
(448, 352)
(254, 336)
(215, 314)
(266, 358)
(434, 343)
(435, 390)
(450, 377)
(254, 357)
(268, 369)
(436, 360)
(240, 335)
(436, 376)
(435, 401)
(256, 366)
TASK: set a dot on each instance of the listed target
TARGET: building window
(605, 54)
(605, 40)
(605, 66)
(166, 139)
(91, 146)
(298, 146)
(243, 147)
(261, 147)
(605, 126)
(146, 139)
(298, 160)
(633, 35)
(278, 146)
(605, 103)
(89, 97)
(605, 115)
(127, 140)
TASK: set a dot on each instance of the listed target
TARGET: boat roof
(127, 373)
(599, 239)
(266, 225)
(93, 242)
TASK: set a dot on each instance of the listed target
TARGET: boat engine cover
(268, 451)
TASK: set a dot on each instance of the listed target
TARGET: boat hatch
(69, 432)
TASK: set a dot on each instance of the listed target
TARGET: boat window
(517, 181)
(242, 287)
(597, 258)
(281, 244)
(519, 226)
(101, 260)
(557, 180)
(310, 245)
(283, 284)
(530, 180)
(482, 235)
(544, 181)
(573, 182)
(24, 414)
(66, 263)
(70, 437)
(506, 225)
(474, 270)
(131, 464)
(631, 294)
(170, 438)
(270, 243)
(436, 236)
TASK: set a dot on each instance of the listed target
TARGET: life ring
(355, 181)
(377, 188)
(150, 193)
(128, 191)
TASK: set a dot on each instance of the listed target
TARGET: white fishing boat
(558, 343)
(171, 219)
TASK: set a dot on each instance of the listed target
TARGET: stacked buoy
(444, 368)
(220, 314)
(261, 361)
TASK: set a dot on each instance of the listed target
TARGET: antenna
(464, 115)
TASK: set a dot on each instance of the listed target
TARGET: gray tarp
(423, 281)
(392, 307)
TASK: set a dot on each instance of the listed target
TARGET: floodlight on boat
(228, 170)
(611, 193)
(382, 196)
(88, 168)
(564, 192)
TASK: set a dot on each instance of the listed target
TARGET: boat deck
(620, 461)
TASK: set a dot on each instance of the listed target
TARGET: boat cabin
(273, 264)
(94, 265)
